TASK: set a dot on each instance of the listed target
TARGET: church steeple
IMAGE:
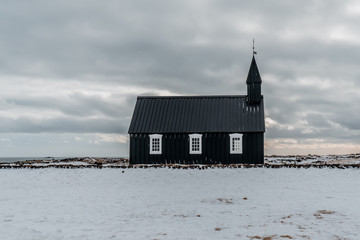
(253, 83)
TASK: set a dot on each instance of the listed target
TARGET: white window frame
(234, 136)
(152, 137)
(191, 140)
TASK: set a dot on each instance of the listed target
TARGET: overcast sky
(70, 71)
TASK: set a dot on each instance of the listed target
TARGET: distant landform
(273, 161)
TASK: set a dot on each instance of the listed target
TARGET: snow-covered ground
(256, 203)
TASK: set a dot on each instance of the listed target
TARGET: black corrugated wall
(254, 148)
(254, 92)
(215, 149)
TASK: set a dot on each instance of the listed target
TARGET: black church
(200, 129)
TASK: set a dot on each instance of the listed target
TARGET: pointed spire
(253, 81)
(254, 74)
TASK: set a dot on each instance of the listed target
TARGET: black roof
(254, 74)
(196, 114)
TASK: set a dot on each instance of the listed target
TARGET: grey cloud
(76, 104)
(318, 120)
(309, 66)
(62, 125)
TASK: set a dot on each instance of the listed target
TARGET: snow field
(179, 204)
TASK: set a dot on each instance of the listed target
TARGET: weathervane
(254, 52)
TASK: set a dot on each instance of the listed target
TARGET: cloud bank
(72, 70)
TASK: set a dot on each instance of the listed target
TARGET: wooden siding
(254, 93)
(215, 149)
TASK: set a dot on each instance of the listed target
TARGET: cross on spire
(254, 52)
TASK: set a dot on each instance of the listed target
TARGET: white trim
(192, 138)
(236, 140)
(155, 137)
